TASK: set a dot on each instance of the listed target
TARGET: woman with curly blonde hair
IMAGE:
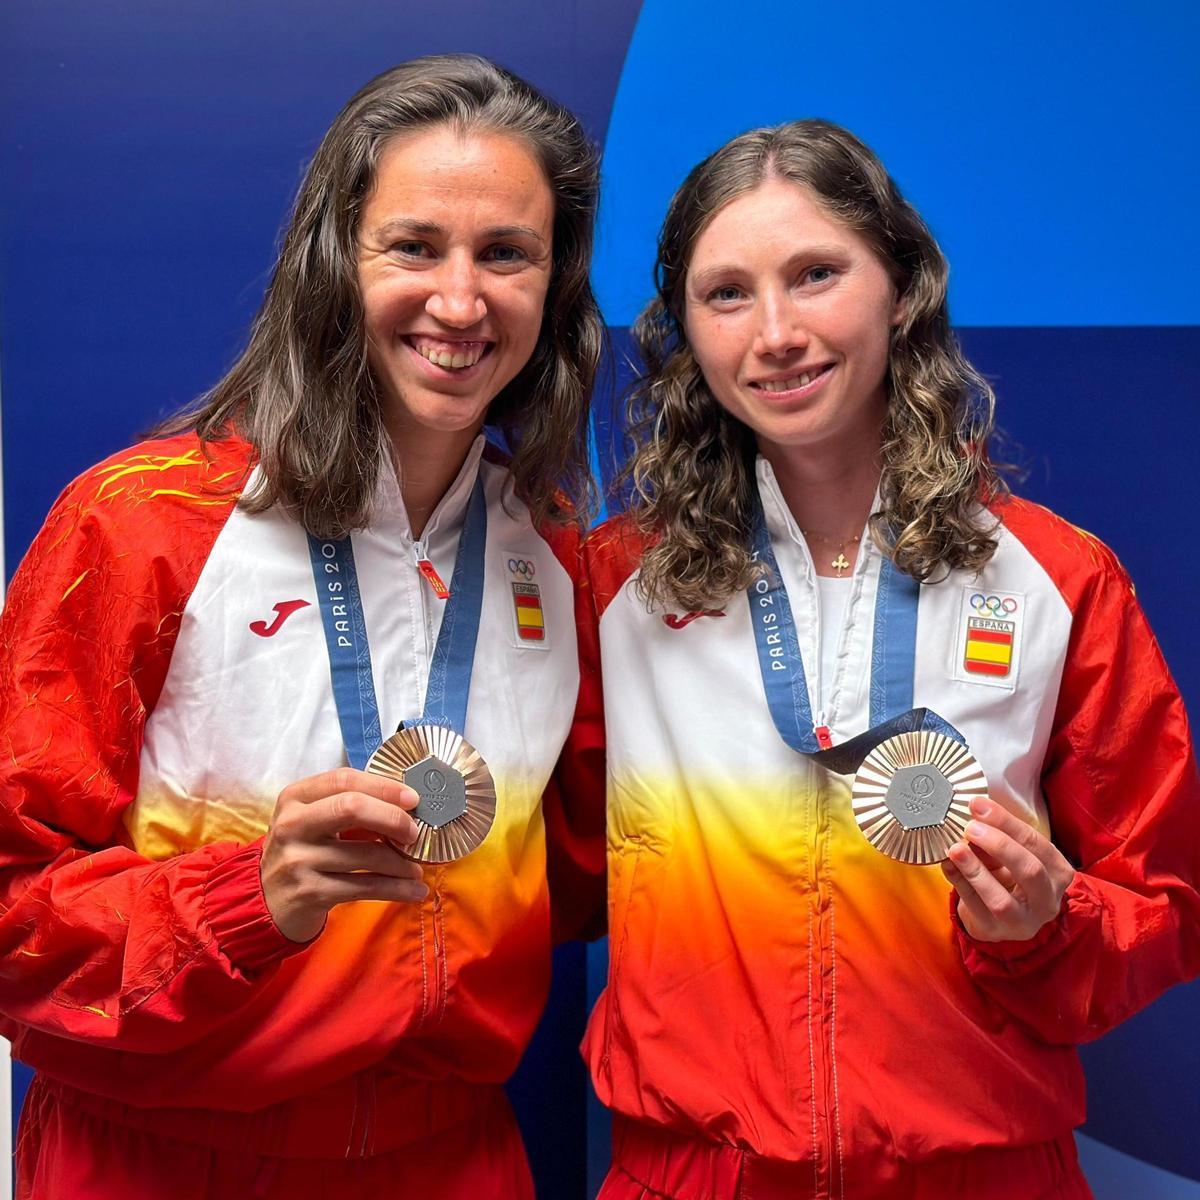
(898, 781)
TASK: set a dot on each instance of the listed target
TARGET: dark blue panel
(1143, 1094)
(549, 1087)
(22, 1076)
(599, 1120)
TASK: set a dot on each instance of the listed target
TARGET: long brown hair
(691, 469)
(302, 392)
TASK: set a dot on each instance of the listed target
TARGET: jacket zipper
(433, 941)
(420, 556)
(822, 948)
(429, 572)
(821, 918)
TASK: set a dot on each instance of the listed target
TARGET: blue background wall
(148, 153)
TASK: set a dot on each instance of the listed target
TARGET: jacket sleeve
(574, 803)
(96, 942)
(1121, 785)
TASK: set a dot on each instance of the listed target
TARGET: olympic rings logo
(523, 567)
(993, 604)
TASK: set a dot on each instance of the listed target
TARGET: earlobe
(899, 310)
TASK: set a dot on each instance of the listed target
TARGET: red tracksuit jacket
(164, 676)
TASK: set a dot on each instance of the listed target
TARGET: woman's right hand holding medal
(322, 848)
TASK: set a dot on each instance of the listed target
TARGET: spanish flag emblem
(989, 649)
(531, 624)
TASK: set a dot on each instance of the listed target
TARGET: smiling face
(789, 313)
(454, 264)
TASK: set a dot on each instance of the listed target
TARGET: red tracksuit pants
(650, 1164)
(68, 1151)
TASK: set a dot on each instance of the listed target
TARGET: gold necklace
(840, 564)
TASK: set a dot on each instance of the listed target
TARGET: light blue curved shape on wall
(1117, 1176)
(1052, 147)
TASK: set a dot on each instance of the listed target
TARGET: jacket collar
(781, 524)
(451, 509)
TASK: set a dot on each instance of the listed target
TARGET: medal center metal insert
(919, 796)
(442, 790)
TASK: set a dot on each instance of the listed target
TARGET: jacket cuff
(236, 912)
(1079, 909)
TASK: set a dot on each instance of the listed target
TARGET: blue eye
(410, 249)
(726, 294)
(819, 274)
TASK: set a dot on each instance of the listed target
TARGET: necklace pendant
(840, 564)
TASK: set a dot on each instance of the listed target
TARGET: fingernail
(420, 890)
(980, 808)
(975, 830)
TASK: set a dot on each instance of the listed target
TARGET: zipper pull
(440, 590)
(824, 737)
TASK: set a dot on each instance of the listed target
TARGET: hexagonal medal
(457, 794)
(912, 795)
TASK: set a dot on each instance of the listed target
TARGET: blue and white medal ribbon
(349, 650)
(457, 794)
(915, 775)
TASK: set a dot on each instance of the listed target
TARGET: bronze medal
(912, 795)
(458, 796)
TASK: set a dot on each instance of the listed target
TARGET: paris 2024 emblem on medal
(457, 794)
(912, 795)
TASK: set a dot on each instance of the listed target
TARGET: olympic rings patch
(523, 567)
(991, 628)
(995, 605)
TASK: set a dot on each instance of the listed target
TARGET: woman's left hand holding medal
(323, 848)
(1010, 878)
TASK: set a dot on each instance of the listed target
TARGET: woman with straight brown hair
(241, 963)
(837, 654)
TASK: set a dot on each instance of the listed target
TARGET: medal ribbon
(350, 654)
(893, 662)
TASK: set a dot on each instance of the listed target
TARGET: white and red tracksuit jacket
(165, 676)
(779, 986)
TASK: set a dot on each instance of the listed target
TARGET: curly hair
(691, 466)
(302, 391)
